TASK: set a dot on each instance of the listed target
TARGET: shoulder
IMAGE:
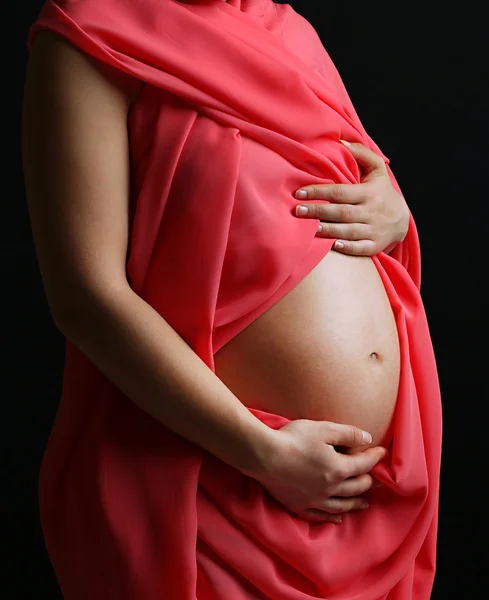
(301, 36)
(55, 59)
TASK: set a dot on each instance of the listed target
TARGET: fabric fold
(241, 105)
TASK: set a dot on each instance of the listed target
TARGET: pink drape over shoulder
(241, 106)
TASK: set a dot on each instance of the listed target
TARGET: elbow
(81, 312)
(68, 318)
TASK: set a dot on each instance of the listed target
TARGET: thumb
(337, 434)
(368, 159)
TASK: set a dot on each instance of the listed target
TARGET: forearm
(149, 362)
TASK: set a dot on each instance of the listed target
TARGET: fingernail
(301, 210)
(320, 228)
(365, 505)
(345, 142)
(338, 521)
(366, 437)
(301, 194)
(339, 245)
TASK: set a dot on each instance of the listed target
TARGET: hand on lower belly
(305, 473)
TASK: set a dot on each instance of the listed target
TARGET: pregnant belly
(328, 350)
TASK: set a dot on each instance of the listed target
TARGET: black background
(417, 74)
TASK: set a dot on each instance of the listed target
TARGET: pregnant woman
(225, 353)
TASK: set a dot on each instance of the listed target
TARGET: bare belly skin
(328, 350)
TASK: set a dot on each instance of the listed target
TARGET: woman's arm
(76, 165)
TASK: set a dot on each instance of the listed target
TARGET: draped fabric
(240, 106)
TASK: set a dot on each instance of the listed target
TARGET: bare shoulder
(58, 62)
(75, 148)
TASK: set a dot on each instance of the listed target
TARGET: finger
(342, 505)
(338, 434)
(345, 231)
(352, 465)
(320, 516)
(368, 159)
(355, 486)
(357, 248)
(344, 193)
(334, 213)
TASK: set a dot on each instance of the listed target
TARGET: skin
(366, 218)
(76, 166)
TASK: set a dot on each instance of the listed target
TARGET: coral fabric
(241, 106)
